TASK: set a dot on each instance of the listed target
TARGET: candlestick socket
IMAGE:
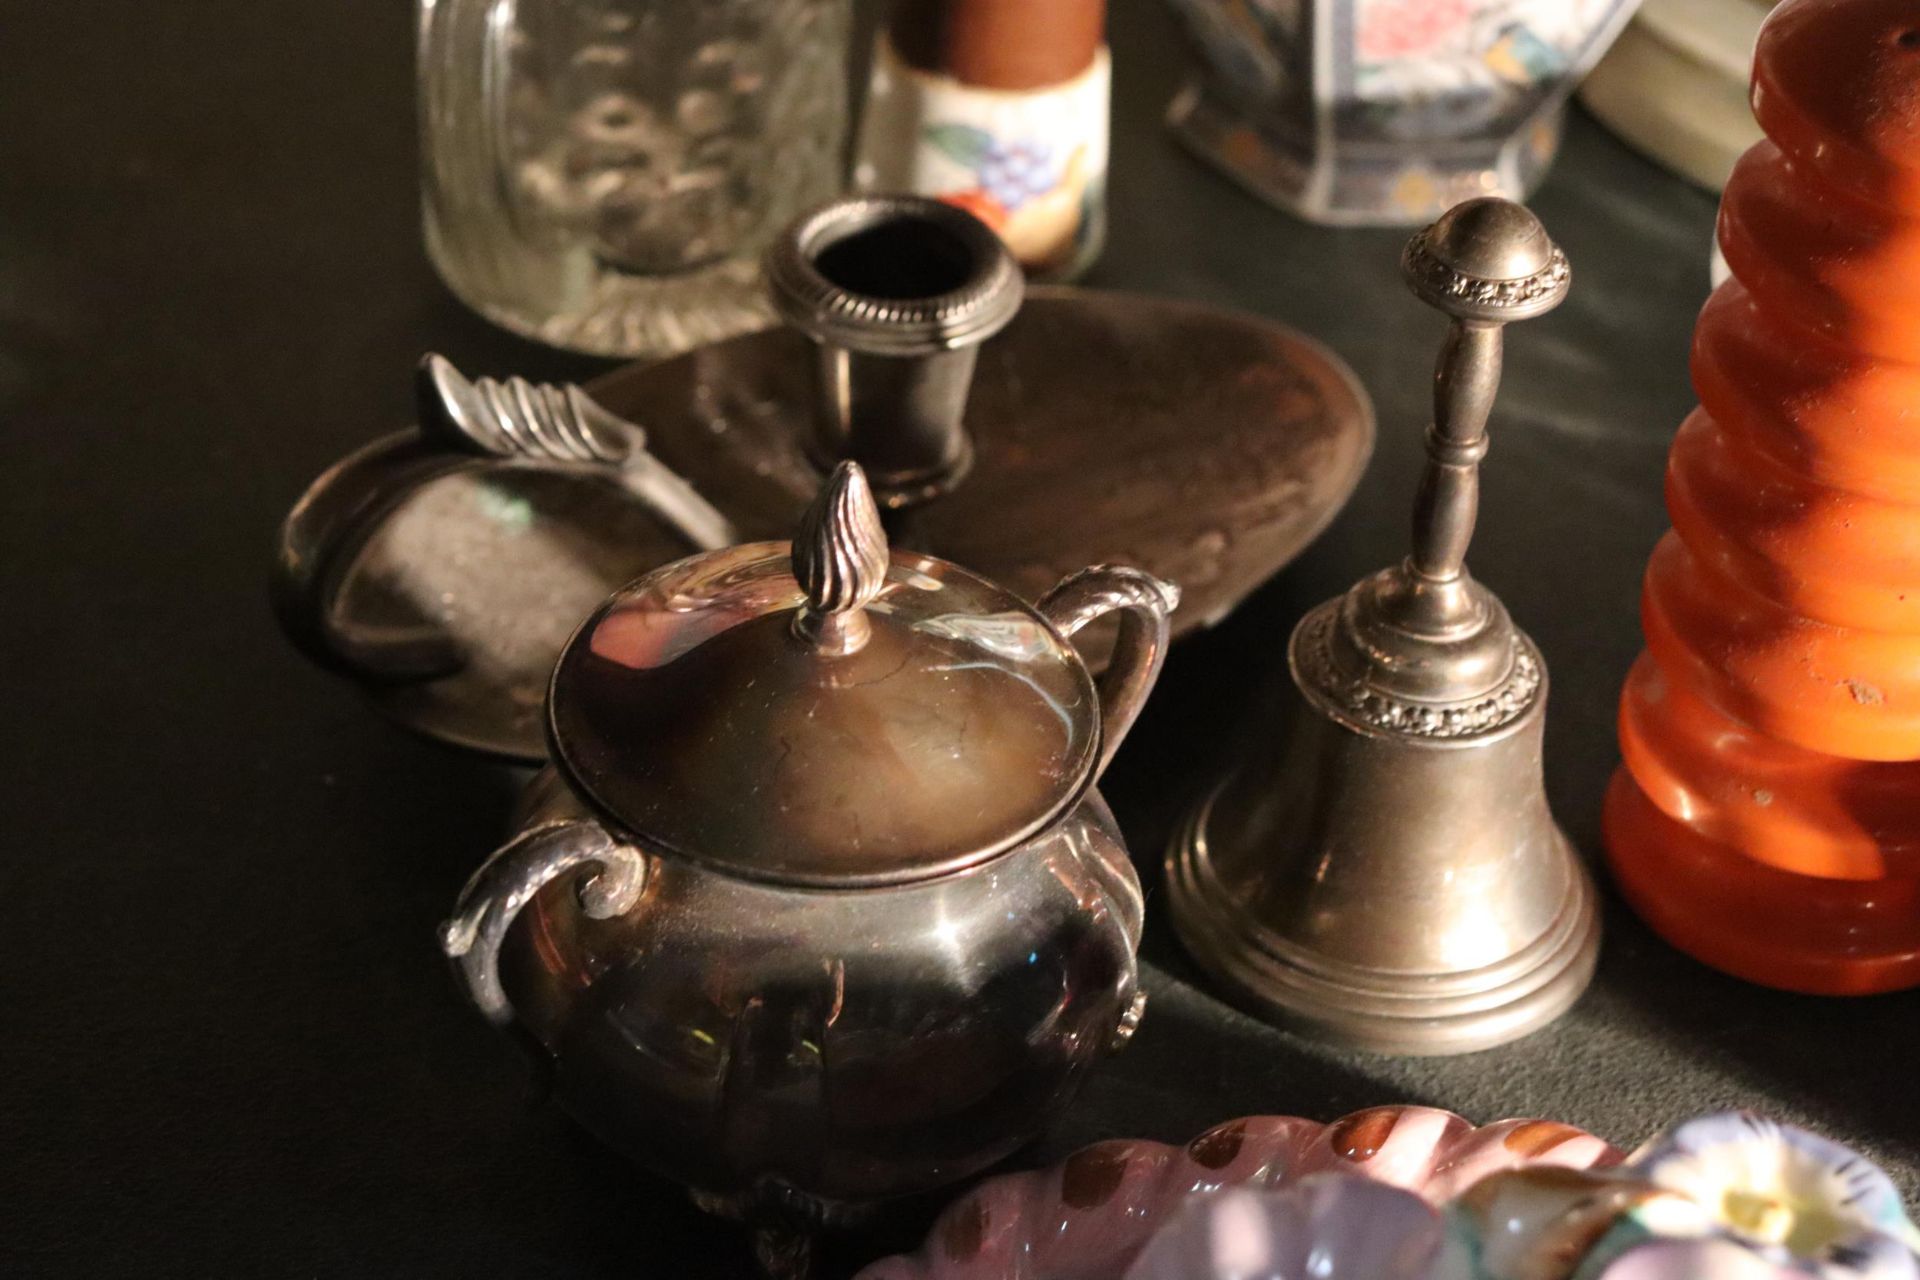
(897, 292)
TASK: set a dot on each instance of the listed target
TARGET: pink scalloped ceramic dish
(1087, 1217)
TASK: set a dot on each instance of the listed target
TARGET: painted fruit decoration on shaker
(1000, 109)
(1038, 200)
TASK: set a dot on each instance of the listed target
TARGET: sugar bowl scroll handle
(463, 423)
(1144, 603)
(509, 879)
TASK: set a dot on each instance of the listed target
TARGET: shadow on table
(1844, 1066)
(1659, 1037)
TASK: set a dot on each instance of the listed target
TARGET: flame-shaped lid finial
(840, 559)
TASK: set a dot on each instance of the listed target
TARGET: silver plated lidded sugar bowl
(1387, 873)
(818, 904)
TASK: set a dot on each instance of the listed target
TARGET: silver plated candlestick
(1388, 875)
(897, 293)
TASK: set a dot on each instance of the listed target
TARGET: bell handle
(1465, 378)
(463, 423)
(508, 880)
(1144, 603)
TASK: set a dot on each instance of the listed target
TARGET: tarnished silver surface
(442, 568)
(1204, 446)
(1386, 872)
(898, 293)
(507, 881)
(1143, 604)
(721, 709)
(815, 1050)
(857, 920)
(517, 419)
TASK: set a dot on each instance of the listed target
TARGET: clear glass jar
(602, 175)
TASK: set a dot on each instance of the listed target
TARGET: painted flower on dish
(1797, 1200)
(1730, 1196)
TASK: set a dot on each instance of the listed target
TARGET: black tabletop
(227, 1044)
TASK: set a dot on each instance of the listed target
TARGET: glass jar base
(629, 316)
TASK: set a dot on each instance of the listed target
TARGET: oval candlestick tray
(1205, 446)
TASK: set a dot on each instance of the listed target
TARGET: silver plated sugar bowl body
(817, 904)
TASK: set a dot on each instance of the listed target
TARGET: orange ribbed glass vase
(1767, 818)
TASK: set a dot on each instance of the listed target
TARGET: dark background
(227, 1045)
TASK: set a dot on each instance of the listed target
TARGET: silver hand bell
(1388, 875)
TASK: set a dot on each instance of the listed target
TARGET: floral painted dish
(1087, 1218)
(1410, 1193)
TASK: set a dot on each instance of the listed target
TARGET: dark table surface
(227, 1045)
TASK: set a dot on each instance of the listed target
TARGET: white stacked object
(1674, 85)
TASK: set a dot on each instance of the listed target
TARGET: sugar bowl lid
(827, 713)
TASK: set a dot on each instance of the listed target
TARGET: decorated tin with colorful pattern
(1387, 111)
